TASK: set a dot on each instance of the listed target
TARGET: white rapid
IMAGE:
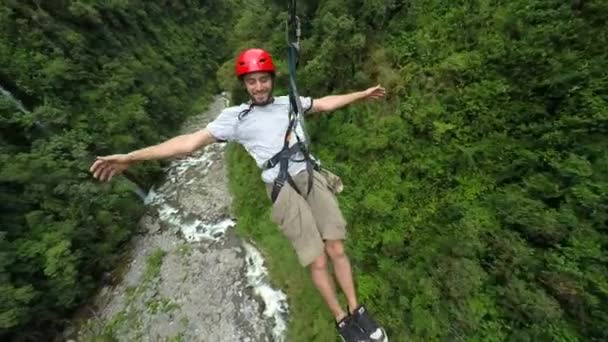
(189, 276)
(17, 103)
(196, 230)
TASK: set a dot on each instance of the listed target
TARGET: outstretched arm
(182, 144)
(104, 168)
(333, 102)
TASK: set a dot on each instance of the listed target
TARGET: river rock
(189, 277)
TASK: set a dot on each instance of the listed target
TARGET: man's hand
(104, 168)
(107, 167)
(374, 93)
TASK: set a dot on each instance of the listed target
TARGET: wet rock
(191, 277)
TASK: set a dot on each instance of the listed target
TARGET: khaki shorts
(306, 222)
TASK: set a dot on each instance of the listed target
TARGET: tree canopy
(476, 194)
(80, 79)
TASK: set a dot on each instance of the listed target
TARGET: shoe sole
(384, 334)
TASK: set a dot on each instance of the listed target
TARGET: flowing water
(188, 276)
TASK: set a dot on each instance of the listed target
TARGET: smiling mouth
(261, 98)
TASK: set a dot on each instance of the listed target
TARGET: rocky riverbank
(189, 277)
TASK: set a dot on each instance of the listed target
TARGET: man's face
(259, 86)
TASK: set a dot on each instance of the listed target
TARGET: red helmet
(253, 60)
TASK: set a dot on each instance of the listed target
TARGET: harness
(283, 157)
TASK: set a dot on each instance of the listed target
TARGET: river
(188, 276)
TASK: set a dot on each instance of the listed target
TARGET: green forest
(476, 193)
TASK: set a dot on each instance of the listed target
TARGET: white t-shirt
(262, 132)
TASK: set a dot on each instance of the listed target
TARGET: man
(304, 207)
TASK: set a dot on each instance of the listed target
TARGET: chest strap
(283, 157)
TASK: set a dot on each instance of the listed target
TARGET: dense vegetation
(476, 195)
(93, 77)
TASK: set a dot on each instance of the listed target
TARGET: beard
(261, 99)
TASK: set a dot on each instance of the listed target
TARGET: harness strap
(284, 176)
(285, 153)
(283, 157)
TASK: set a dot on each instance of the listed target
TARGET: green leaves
(94, 78)
(478, 192)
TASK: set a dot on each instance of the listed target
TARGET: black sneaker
(349, 331)
(375, 332)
